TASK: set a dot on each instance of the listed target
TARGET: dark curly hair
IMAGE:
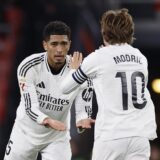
(56, 28)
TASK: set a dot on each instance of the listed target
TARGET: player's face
(57, 48)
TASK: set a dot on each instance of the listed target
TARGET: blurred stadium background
(21, 25)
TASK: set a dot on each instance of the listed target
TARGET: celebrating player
(126, 117)
(43, 116)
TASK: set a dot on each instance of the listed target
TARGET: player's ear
(45, 45)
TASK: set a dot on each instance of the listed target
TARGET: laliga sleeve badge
(22, 85)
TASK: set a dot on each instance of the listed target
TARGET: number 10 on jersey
(122, 76)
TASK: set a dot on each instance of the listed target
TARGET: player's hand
(76, 60)
(85, 123)
(55, 124)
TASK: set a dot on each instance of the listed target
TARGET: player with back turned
(125, 120)
(43, 116)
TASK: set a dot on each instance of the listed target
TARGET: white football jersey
(41, 97)
(120, 78)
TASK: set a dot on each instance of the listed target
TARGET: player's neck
(56, 68)
(106, 43)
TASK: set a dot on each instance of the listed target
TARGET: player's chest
(48, 89)
(49, 84)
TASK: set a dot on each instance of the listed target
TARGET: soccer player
(43, 116)
(126, 116)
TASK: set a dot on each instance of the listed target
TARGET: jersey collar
(46, 62)
(66, 65)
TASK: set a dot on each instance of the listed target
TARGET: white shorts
(133, 148)
(19, 148)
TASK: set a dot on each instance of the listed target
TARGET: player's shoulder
(103, 50)
(31, 61)
(94, 54)
(33, 57)
(100, 53)
(94, 58)
(140, 54)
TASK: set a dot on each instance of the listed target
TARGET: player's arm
(75, 62)
(76, 77)
(26, 80)
(55, 124)
(83, 107)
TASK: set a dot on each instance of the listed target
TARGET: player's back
(125, 106)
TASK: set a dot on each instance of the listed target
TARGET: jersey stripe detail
(29, 64)
(63, 69)
(47, 64)
(29, 112)
(23, 67)
(79, 76)
(89, 82)
(73, 75)
(79, 69)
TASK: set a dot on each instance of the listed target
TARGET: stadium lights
(156, 85)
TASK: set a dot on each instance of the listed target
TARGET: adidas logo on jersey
(41, 85)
